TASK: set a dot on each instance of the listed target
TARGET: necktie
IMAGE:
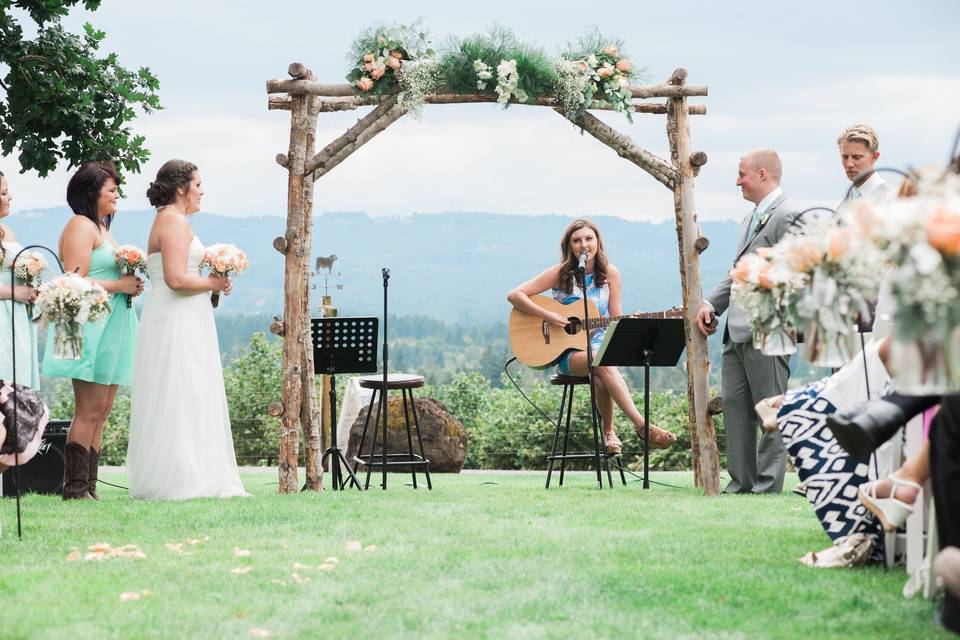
(752, 227)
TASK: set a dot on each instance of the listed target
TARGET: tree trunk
(698, 362)
(294, 263)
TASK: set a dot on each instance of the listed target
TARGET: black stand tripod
(342, 345)
(644, 342)
(383, 392)
(13, 351)
(598, 439)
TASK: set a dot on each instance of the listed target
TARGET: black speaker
(44, 472)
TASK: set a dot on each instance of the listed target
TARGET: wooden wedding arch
(306, 99)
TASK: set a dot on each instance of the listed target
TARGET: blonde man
(748, 376)
(859, 152)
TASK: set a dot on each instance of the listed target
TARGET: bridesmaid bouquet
(70, 301)
(223, 260)
(131, 259)
(29, 268)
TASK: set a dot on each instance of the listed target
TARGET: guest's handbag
(32, 417)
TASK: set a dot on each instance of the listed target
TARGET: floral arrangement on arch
(595, 72)
(380, 52)
(919, 236)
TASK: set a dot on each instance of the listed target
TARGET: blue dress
(600, 296)
(28, 367)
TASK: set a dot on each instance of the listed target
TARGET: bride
(180, 441)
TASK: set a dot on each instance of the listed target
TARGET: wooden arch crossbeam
(306, 99)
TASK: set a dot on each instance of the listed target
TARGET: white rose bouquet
(68, 302)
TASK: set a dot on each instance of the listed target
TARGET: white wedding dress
(180, 441)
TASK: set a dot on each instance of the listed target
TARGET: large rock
(444, 437)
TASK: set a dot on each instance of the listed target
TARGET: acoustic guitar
(539, 344)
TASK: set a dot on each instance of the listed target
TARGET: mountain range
(452, 266)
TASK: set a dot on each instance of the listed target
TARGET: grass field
(483, 555)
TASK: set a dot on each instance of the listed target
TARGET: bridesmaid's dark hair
(83, 190)
(173, 175)
(568, 261)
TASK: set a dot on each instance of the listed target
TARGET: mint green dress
(108, 345)
(28, 367)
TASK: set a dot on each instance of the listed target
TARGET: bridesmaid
(86, 246)
(13, 307)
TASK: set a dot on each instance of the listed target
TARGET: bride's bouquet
(223, 260)
(29, 268)
(68, 302)
(131, 259)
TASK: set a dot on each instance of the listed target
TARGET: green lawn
(480, 556)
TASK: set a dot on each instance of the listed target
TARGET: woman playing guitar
(604, 290)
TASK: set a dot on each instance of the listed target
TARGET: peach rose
(365, 84)
(368, 57)
(763, 252)
(623, 65)
(838, 244)
(763, 279)
(369, 66)
(396, 54)
(803, 255)
(943, 231)
(377, 73)
(611, 50)
(622, 82)
(740, 271)
(604, 72)
(393, 63)
(220, 266)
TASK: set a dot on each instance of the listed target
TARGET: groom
(748, 376)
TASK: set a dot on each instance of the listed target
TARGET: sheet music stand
(643, 342)
(342, 345)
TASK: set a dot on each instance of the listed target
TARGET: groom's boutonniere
(762, 220)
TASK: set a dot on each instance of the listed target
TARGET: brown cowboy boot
(75, 469)
(92, 473)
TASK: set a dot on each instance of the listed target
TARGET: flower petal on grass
(256, 632)
(175, 546)
(331, 560)
(299, 579)
(128, 596)
(327, 566)
(240, 553)
(240, 570)
(353, 545)
(301, 567)
(74, 555)
(371, 547)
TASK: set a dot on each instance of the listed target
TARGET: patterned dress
(108, 345)
(600, 296)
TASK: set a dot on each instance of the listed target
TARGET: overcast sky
(784, 76)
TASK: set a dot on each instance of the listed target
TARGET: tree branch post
(703, 438)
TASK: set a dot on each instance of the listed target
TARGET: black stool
(569, 383)
(406, 383)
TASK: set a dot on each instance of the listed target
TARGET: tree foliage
(60, 100)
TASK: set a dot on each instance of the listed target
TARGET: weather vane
(326, 262)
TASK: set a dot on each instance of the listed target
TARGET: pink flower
(368, 57)
(623, 65)
(396, 54)
(943, 231)
(377, 73)
(369, 66)
(611, 50)
(604, 72)
(838, 244)
(365, 84)
(393, 63)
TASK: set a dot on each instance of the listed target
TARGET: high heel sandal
(614, 446)
(662, 440)
(890, 511)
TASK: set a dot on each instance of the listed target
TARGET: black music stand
(642, 342)
(342, 345)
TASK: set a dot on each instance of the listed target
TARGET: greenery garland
(398, 58)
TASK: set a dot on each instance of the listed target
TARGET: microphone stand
(383, 392)
(581, 269)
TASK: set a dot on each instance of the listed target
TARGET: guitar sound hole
(573, 328)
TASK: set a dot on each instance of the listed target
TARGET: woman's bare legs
(92, 405)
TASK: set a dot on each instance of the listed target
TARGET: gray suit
(748, 376)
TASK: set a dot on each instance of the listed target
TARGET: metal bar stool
(599, 452)
(406, 383)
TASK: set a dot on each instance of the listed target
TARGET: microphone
(582, 265)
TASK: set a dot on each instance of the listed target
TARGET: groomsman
(859, 152)
(748, 375)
